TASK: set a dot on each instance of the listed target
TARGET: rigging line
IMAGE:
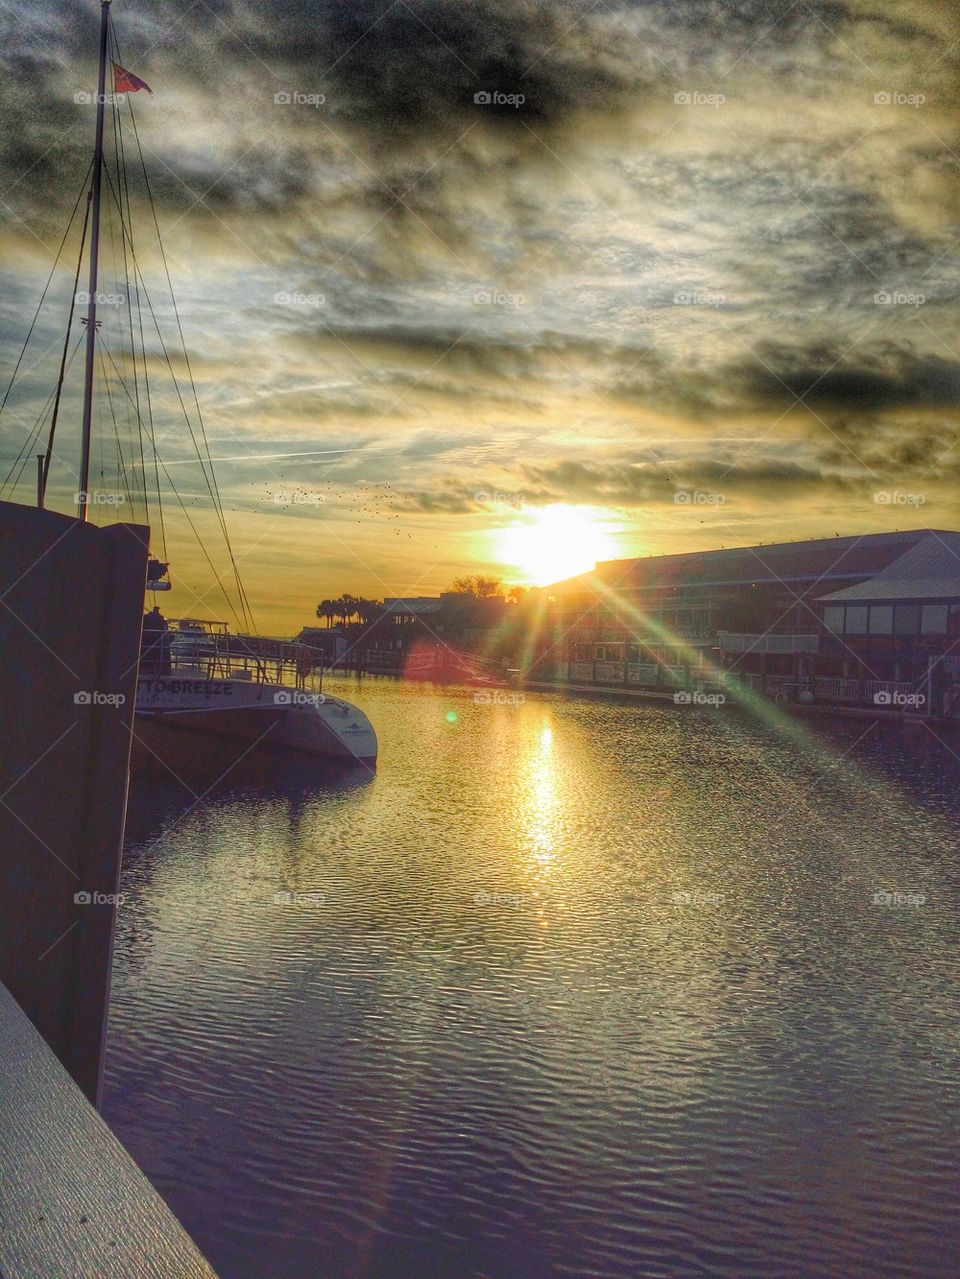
(124, 408)
(218, 503)
(35, 429)
(217, 576)
(121, 465)
(63, 368)
(163, 258)
(211, 479)
(124, 191)
(244, 607)
(186, 417)
(36, 316)
(127, 228)
(24, 453)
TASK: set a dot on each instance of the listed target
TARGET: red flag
(126, 82)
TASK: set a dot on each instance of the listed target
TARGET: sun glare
(548, 545)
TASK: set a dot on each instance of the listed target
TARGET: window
(833, 619)
(857, 620)
(906, 620)
(881, 619)
(609, 653)
(934, 619)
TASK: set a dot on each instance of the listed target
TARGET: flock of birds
(366, 500)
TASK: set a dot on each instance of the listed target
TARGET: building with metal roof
(857, 613)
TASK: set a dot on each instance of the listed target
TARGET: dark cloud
(401, 79)
(870, 378)
(631, 483)
(408, 205)
(399, 67)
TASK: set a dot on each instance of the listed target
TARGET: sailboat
(201, 689)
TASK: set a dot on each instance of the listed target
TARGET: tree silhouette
(481, 585)
(327, 609)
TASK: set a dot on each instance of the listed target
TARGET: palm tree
(327, 609)
(367, 610)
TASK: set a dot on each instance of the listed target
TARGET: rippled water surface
(571, 988)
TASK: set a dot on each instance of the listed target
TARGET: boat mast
(82, 502)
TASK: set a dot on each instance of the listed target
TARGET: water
(571, 988)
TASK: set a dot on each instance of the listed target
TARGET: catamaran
(199, 684)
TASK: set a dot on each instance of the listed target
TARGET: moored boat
(246, 694)
(199, 688)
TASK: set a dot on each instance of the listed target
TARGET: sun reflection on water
(540, 816)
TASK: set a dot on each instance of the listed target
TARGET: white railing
(836, 689)
(873, 686)
(642, 673)
(745, 679)
(778, 686)
(825, 689)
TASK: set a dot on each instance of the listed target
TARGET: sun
(555, 542)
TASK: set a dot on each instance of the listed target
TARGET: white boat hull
(177, 714)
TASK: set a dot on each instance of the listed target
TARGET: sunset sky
(697, 288)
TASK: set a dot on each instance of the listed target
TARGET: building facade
(841, 619)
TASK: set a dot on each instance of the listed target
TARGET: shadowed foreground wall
(71, 601)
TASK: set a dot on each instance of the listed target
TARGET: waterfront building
(326, 644)
(900, 626)
(845, 618)
(405, 610)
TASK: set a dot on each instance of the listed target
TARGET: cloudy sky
(454, 277)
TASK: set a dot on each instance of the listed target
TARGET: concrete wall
(71, 602)
(74, 1203)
